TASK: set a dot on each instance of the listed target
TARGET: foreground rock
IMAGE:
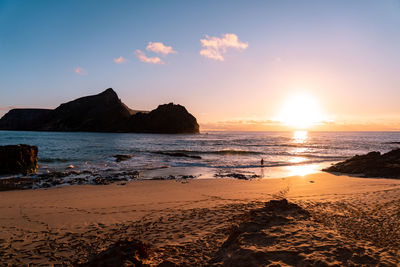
(103, 112)
(373, 164)
(15, 159)
(123, 253)
(239, 176)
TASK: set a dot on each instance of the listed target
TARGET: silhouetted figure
(262, 162)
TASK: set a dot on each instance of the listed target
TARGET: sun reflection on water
(300, 136)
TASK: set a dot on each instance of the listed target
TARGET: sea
(211, 154)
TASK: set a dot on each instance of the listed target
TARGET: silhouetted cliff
(101, 113)
(24, 119)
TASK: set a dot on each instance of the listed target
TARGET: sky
(235, 65)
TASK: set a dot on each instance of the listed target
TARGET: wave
(322, 157)
(53, 160)
(233, 152)
(250, 152)
(331, 157)
(269, 165)
(218, 152)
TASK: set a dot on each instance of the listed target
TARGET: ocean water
(284, 153)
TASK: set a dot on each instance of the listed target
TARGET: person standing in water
(262, 162)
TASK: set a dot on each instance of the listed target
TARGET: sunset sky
(235, 65)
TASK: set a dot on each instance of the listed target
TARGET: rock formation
(123, 253)
(373, 164)
(101, 113)
(15, 159)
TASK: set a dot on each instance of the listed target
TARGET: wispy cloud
(80, 71)
(120, 60)
(152, 60)
(160, 48)
(215, 48)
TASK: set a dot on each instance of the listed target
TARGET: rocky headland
(373, 164)
(103, 112)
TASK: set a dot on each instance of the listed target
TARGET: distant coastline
(103, 112)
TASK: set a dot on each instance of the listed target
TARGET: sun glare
(302, 170)
(301, 111)
(300, 136)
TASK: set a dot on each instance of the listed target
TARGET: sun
(301, 111)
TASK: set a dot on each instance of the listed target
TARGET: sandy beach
(329, 220)
(199, 133)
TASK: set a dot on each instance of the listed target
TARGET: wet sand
(208, 221)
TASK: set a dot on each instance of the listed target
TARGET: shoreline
(68, 224)
(73, 177)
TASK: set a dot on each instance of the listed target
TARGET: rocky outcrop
(373, 164)
(15, 159)
(101, 113)
(168, 118)
(122, 253)
(24, 119)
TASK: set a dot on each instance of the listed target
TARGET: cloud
(152, 60)
(242, 125)
(80, 71)
(160, 48)
(215, 48)
(120, 60)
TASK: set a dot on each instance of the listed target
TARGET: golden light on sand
(301, 111)
(302, 170)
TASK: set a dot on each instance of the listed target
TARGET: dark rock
(119, 158)
(177, 154)
(172, 177)
(78, 181)
(16, 183)
(122, 253)
(168, 118)
(169, 177)
(24, 119)
(101, 113)
(373, 164)
(239, 176)
(16, 159)
(167, 263)
(58, 174)
(131, 174)
(101, 181)
(46, 185)
(187, 177)
(98, 113)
